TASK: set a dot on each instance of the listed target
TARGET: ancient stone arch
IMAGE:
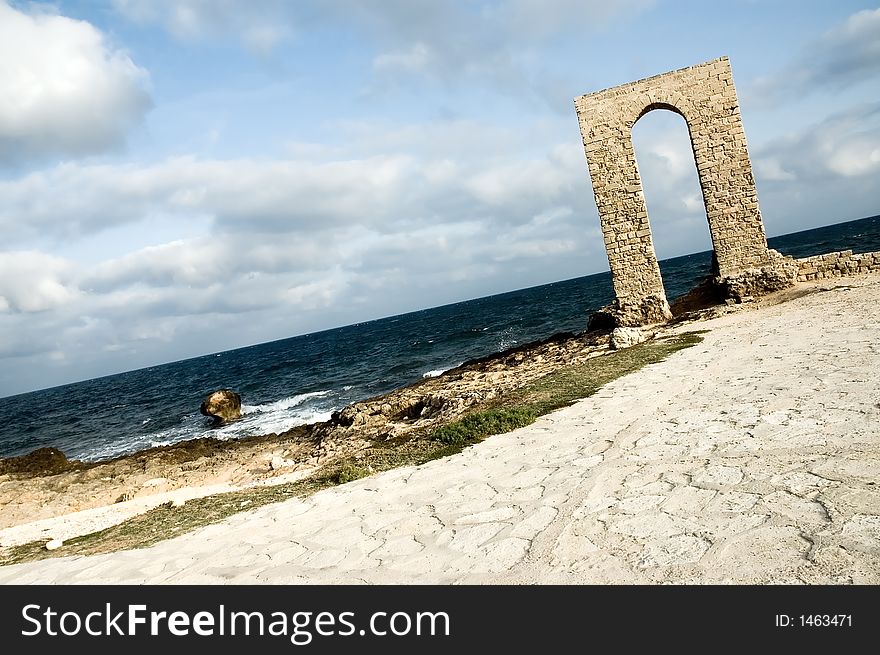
(705, 97)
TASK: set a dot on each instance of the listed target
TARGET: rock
(412, 409)
(42, 461)
(602, 320)
(780, 273)
(54, 544)
(222, 406)
(624, 337)
(278, 462)
(704, 295)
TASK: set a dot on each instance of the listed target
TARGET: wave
(284, 403)
(276, 423)
(281, 415)
(277, 417)
(437, 372)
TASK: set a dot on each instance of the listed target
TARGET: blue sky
(183, 177)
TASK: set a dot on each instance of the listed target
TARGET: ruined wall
(837, 264)
(705, 97)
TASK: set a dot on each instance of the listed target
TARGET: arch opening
(651, 106)
(674, 200)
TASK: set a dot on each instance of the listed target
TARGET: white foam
(439, 371)
(277, 417)
(155, 443)
(280, 424)
(284, 403)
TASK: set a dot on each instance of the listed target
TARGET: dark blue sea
(304, 378)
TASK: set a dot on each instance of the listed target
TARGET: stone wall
(705, 97)
(837, 264)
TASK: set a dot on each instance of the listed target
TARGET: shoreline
(250, 464)
(46, 497)
(750, 458)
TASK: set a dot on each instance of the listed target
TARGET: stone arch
(705, 97)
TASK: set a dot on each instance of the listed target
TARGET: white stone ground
(753, 457)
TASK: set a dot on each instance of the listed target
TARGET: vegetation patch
(482, 424)
(559, 389)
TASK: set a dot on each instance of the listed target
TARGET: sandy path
(753, 457)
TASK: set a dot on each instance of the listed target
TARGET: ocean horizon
(303, 379)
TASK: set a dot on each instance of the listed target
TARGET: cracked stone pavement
(752, 457)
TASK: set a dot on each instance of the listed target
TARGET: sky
(181, 177)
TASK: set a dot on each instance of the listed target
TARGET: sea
(305, 378)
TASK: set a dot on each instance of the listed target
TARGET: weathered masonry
(705, 97)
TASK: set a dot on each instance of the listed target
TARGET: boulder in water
(222, 406)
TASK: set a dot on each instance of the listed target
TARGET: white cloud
(260, 25)
(450, 173)
(33, 281)
(262, 39)
(289, 246)
(495, 46)
(539, 19)
(64, 91)
(456, 42)
(846, 55)
(857, 155)
(525, 187)
(769, 168)
(74, 200)
(693, 203)
(414, 59)
(846, 144)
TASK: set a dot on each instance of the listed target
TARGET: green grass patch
(515, 409)
(349, 472)
(480, 425)
(559, 389)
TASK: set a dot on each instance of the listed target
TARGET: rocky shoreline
(748, 458)
(45, 483)
(37, 487)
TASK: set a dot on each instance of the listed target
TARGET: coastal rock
(747, 285)
(222, 406)
(704, 295)
(278, 462)
(624, 337)
(602, 320)
(42, 461)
